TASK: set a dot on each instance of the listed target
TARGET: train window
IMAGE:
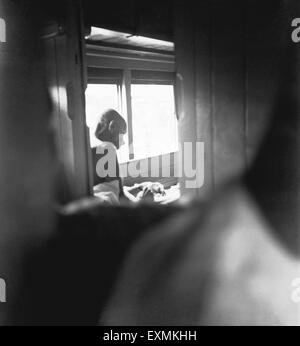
(145, 100)
(143, 92)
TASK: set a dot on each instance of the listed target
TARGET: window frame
(125, 67)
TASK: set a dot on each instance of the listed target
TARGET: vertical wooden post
(76, 99)
(127, 92)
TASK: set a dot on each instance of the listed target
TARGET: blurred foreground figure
(235, 261)
(224, 268)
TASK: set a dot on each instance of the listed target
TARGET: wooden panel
(55, 52)
(211, 62)
(27, 163)
(146, 18)
(184, 87)
(203, 83)
(262, 72)
(228, 83)
(66, 81)
(76, 99)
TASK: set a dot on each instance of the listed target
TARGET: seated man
(108, 184)
(107, 181)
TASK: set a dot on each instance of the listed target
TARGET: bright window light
(154, 121)
(104, 32)
(100, 34)
(142, 40)
(99, 98)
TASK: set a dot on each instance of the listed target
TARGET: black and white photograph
(149, 166)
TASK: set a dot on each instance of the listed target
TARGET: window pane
(100, 97)
(154, 121)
